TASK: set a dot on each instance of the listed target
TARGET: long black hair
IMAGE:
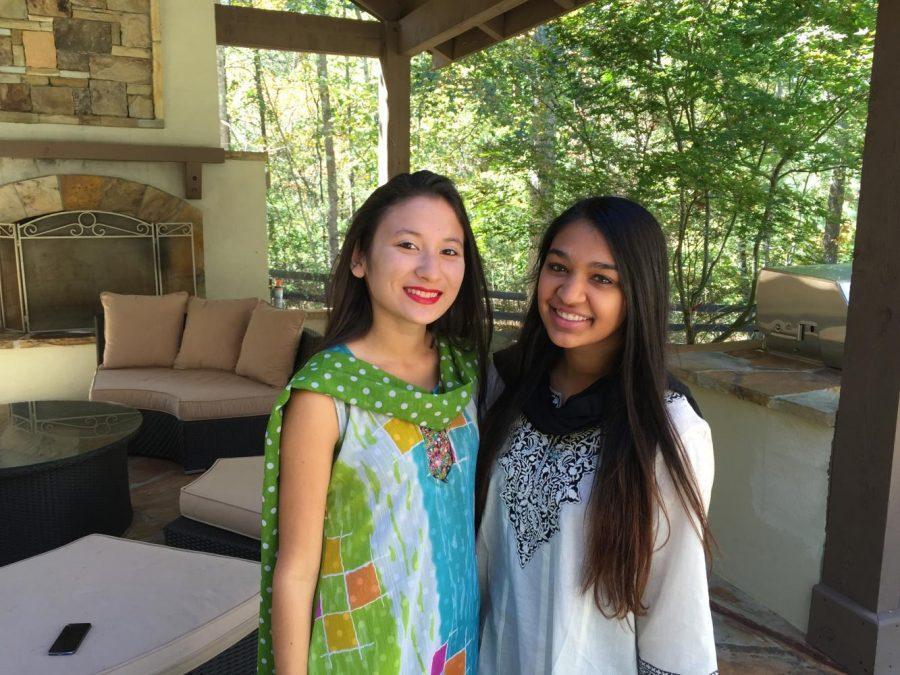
(625, 494)
(468, 322)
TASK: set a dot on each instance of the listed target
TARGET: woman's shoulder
(695, 436)
(691, 428)
(321, 361)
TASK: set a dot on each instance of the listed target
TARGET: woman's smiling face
(579, 296)
(415, 265)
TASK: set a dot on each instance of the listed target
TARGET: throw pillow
(270, 345)
(214, 332)
(142, 330)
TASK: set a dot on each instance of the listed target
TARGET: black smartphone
(69, 639)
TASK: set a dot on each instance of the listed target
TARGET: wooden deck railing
(507, 305)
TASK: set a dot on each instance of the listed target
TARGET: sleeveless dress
(398, 582)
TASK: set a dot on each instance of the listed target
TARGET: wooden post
(393, 107)
(855, 610)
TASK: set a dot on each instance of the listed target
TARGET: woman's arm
(676, 633)
(307, 449)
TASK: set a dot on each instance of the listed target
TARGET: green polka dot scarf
(343, 376)
(339, 374)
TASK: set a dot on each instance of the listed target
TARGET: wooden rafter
(438, 21)
(390, 11)
(383, 10)
(292, 31)
(516, 21)
(494, 28)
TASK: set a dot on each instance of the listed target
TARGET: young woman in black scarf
(595, 468)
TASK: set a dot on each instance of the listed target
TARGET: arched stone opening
(35, 201)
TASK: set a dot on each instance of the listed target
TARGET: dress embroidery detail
(645, 668)
(672, 396)
(540, 479)
(439, 453)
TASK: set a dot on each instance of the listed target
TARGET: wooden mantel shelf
(193, 157)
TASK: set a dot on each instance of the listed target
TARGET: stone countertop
(14, 340)
(743, 369)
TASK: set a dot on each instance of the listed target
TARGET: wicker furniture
(63, 473)
(220, 511)
(153, 609)
(194, 536)
(197, 443)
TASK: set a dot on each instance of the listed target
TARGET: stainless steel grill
(802, 310)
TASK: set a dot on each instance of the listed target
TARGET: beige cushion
(214, 332)
(186, 394)
(153, 609)
(270, 344)
(142, 330)
(227, 496)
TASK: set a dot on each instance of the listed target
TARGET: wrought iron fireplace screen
(54, 267)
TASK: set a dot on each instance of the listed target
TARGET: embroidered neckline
(540, 479)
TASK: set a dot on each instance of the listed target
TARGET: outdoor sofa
(221, 509)
(201, 396)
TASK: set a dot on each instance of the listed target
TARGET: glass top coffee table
(63, 473)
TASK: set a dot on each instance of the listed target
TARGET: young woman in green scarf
(368, 552)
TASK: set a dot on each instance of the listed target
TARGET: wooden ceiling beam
(383, 10)
(493, 28)
(469, 42)
(410, 5)
(440, 59)
(291, 31)
(438, 21)
(516, 21)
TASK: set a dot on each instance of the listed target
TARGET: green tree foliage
(729, 119)
(274, 103)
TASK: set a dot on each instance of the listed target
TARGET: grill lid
(802, 310)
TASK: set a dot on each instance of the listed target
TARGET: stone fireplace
(87, 62)
(66, 238)
(109, 161)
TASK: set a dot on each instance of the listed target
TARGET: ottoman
(154, 609)
(221, 510)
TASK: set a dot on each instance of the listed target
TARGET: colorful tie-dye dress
(398, 586)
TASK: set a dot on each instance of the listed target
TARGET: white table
(154, 609)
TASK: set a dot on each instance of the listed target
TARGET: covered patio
(49, 166)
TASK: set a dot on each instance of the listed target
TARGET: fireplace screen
(53, 268)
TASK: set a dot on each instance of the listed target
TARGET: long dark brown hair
(468, 322)
(625, 494)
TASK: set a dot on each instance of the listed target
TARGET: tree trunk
(742, 259)
(834, 217)
(260, 100)
(330, 164)
(224, 122)
(543, 135)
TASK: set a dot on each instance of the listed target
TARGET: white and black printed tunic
(534, 616)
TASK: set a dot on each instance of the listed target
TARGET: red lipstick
(424, 296)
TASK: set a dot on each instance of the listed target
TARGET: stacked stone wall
(80, 62)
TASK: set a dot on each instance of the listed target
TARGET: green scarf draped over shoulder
(339, 374)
